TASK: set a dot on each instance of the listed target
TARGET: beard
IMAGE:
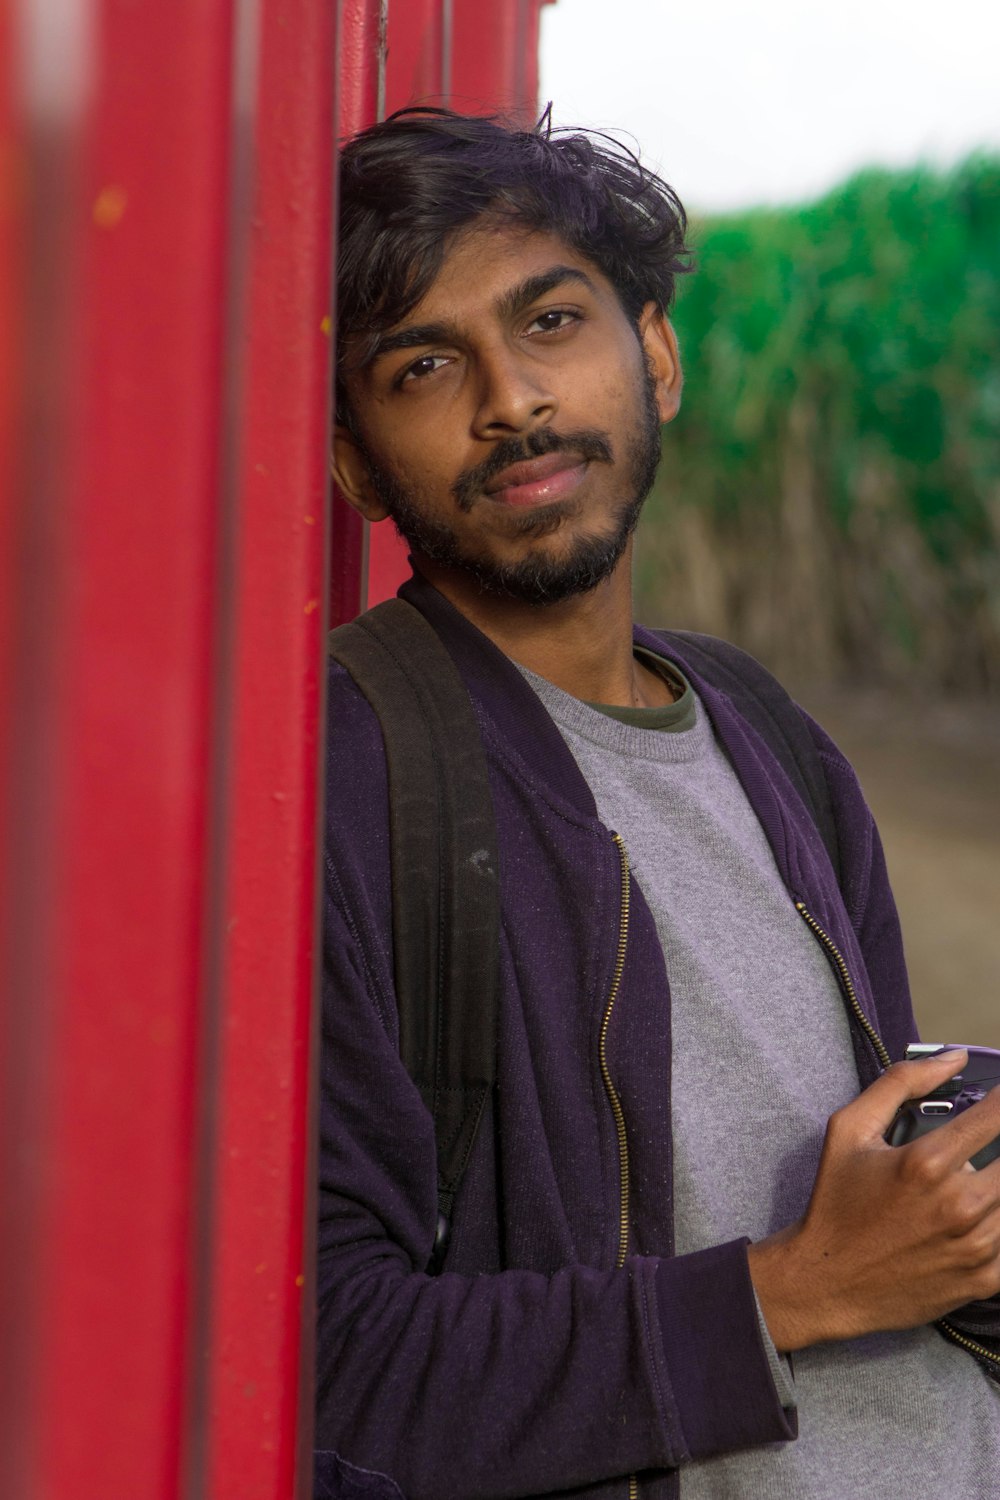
(536, 577)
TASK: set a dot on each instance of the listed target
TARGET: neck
(582, 645)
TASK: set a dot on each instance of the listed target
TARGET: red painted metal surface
(259, 1309)
(19, 970)
(12, 299)
(131, 587)
(164, 603)
(13, 296)
(419, 48)
(496, 57)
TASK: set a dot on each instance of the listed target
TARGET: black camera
(920, 1116)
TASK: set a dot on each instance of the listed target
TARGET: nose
(514, 394)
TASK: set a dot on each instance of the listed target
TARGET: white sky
(750, 101)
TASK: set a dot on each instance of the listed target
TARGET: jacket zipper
(847, 984)
(952, 1333)
(609, 1088)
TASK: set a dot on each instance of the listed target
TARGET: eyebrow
(514, 300)
(413, 337)
(517, 298)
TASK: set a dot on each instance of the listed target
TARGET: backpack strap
(762, 700)
(445, 890)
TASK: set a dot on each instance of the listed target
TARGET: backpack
(443, 851)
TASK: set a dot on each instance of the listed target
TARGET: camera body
(920, 1116)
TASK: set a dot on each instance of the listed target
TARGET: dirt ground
(931, 773)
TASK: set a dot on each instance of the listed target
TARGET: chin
(542, 520)
(547, 575)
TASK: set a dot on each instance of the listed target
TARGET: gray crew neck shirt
(761, 1058)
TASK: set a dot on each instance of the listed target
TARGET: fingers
(873, 1111)
(982, 1199)
(976, 1255)
(959, 1200)
(969, 1132)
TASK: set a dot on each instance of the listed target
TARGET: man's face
(510, 424)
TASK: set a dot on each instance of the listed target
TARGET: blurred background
(829, 496)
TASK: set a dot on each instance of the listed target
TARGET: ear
(349, 468)
(659, 343)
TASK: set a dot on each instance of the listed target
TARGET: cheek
(615, 384)
(418, 467)
(615, 407)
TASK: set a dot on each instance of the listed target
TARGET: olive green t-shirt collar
(676, 716)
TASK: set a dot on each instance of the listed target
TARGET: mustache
(587, 443)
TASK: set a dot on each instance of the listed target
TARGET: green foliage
(842, 365)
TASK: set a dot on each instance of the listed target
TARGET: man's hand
(893, 1236)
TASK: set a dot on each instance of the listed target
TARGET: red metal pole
(418, 43)
(528, 71)
(495, 58)
(127, 587)
(22, 1022)
(263, 1219)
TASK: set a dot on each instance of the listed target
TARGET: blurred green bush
(830, 494)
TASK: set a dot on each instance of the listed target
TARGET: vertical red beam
(161, 876)
(528, 77)
(263, 1233)
(20, 976)
(124, 776)
(487, 42)
(13, 182)
(13, 297)
(418, 43)
(495, 57)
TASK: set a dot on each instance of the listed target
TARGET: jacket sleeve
(507, 1384)
(872, 910)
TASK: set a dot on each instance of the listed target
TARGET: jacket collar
(501, 693)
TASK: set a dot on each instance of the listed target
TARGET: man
(661, 1251)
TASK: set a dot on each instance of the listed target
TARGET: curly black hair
(408, 184)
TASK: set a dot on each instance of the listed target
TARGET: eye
(422, 367)
(554, 321)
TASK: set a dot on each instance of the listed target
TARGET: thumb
(875, 1108)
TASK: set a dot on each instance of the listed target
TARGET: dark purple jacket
(533, 1364)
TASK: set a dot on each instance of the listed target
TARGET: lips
(537, 481)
